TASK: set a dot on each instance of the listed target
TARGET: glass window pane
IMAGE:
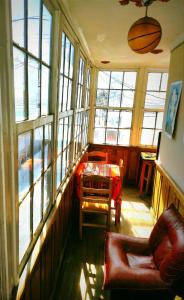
(25, 163)
(129, 80)
(47, 189)
(33, 88)
(67, 56)
(45, 91)
(67, 158)
(99, 136)
(159, 120)
(124, 137)
(69, 129)
(60, 136)
(46, 35)
(111, 136)
(147, 136)
(81, 73)
(18, 21)
(58, 171)
(153, 83)
(69, 94)
(47, 145)
(37, 205)
(164, 82)
(71, 61)
(113, 118)
(100, 117)
(24, 226)
(149, 120)
(62, 53)
(63, 164)
(127, 99)
(88, 87)
(155, 100)
(155, 141)
(33, 26)
(125, 119)
(114, 98)
(103, 80)
(19, 85)
(60, 93)
(116, 80)
(65, 91)
(102, 98)
(65, 137)
(38, 152)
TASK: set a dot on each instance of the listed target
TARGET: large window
(32, 24)
(32, 38)
(65, 110)
(154, 107)
(63, 149)
(114, 107)
(82, 107)
(80, 82)
(66, 74)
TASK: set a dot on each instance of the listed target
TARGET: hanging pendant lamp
(144, 35)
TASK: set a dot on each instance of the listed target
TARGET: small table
(148, 161)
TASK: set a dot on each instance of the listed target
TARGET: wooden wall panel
(165, 192)
(130, 156)
(47, 267)
(35, 282)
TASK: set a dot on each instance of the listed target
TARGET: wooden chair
(97, 156)
(95, 198)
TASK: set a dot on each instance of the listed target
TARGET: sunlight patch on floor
(88, 281)
(137, 215)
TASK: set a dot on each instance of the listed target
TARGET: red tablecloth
(107, 170)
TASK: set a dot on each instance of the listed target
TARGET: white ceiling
(102, 26)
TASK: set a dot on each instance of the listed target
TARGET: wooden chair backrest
(97, 156)
(95, 188)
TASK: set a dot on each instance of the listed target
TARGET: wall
(171, 150)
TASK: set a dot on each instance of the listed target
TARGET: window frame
(120, 108)
(30, 125)
(153, 110)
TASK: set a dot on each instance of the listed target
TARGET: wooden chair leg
(118, 212)
(80, 222)
(108, 221)
(142, 178)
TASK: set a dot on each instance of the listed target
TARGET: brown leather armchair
(150, 269)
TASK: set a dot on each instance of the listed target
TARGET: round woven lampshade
(144, 35)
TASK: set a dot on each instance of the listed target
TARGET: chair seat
(97, 207)
(140, 261)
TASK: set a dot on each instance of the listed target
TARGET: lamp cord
(146, 11)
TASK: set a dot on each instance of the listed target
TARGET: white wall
(172, 150)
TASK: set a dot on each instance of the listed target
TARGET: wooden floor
(81, 274)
